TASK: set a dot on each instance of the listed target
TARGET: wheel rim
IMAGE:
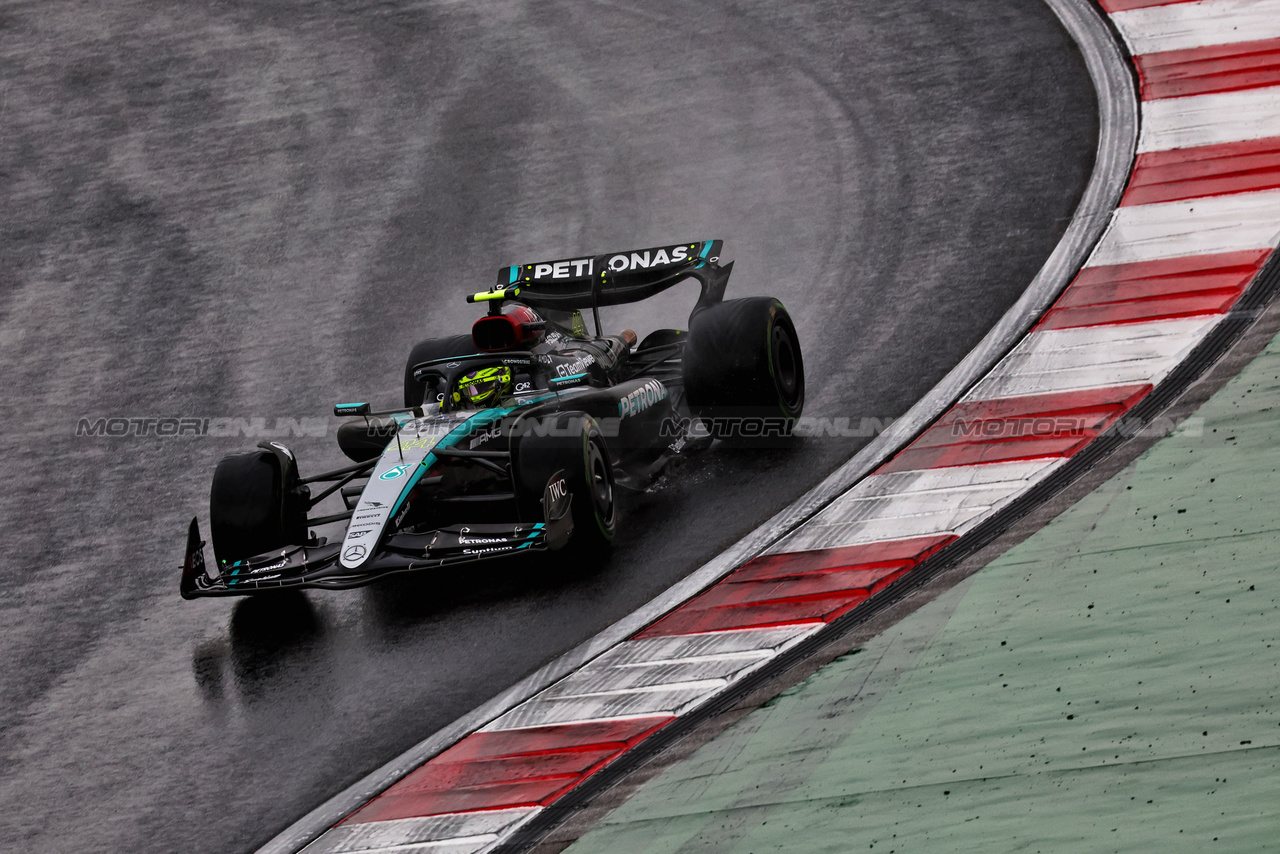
(600, 482)
(785, 373)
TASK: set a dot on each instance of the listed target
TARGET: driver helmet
(483, 388)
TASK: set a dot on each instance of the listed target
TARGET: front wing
(299, 567)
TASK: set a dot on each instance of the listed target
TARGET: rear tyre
(742, 364)
(572, 444)
(427, 351)
(256, 504)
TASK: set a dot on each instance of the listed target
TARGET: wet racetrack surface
(253, 210)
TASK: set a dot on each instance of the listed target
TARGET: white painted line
(1158, 342)
(609, 719)
(879, 530)
(624, 670)
(729, 656)
(614, 686)
(1231, 223)
(478, 845)
(454, 833)
(904, 505)
(865, 521)
(466, 845)
(1059, 360)
(544, 711)
(1179, 26)
(702, 646)
(961, 502)
(460, 846)
(1212, 119)
(946, 481)
(1076, 379)
(698, 660)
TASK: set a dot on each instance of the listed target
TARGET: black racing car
(512, 438)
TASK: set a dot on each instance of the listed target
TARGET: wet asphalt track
(239, 209)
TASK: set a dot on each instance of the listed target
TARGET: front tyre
(568, 445)
(743, 359)
(256, 504)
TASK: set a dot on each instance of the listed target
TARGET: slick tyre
(571, 443)
(743, 368)
(427, 351)
(256, 504)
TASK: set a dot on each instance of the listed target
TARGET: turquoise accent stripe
(528, 541)
(706, 248)
(483, 418)
(515, 272)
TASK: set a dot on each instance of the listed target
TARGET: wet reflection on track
(272, 637)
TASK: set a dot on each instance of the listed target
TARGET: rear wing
(615, 278)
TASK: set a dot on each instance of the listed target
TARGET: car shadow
(401, 601)
(271, 637)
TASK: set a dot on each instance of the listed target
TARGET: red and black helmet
(517, 326)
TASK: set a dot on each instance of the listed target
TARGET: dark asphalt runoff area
(253, 209)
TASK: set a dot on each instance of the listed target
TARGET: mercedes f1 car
(513, 438)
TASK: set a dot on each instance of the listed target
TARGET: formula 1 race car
(513, 438)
